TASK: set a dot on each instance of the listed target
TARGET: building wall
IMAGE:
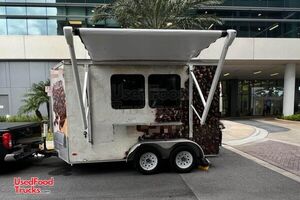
(282, 50)
(27, 59)
(16, 77)
(38, 48)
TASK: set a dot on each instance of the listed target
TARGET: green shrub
(19, 118)
(2, 118)
(295, 117)
(49, 136)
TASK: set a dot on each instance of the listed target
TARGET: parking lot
(230, 177)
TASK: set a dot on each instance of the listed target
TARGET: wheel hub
(148, 161)
(184, 159)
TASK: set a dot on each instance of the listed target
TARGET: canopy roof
(146, 44)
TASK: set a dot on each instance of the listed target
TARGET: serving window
(127, 91)
(164, 90)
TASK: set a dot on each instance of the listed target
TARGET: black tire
(151, 156)
(188, 161)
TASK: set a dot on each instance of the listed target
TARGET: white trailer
(99, 105)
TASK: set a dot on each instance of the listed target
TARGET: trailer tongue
(118, 91)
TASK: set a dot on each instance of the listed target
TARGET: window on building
(41, 11)
(14, 10)
(16, 27)
(36, 1)
(55, 26)
(76, 11)
(75, 1)
(127, 91)
(55, 1)
(164, 90)
(2, 10)
(3, 29)
(52, 26)
(37, 27)
(17, 1)
(53, 11)
(98, 1)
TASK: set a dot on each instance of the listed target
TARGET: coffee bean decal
(208, 136)
(59, 104)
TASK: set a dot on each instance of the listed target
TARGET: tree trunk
(38, 114)
(48, 110)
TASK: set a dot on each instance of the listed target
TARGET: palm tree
(158, 14)
(35, 98)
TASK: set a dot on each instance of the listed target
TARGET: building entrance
(252, 97)
(266, 102)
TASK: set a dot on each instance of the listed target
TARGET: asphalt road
(230, 177)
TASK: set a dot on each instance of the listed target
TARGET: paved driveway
(230, 177)
(271, 128)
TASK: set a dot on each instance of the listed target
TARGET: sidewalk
(238, 134)
(236, 131)
(279, 148)
(292, 136)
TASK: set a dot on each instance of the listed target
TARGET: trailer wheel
(183, 159)
(148, 161)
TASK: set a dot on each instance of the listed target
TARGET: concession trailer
(104, 109)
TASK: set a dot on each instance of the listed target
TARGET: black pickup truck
(19, 140)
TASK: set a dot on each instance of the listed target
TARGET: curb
(259, 134)
(285, 120)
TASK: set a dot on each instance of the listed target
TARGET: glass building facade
(251, 18)
(252, 97)
(259, 18)
(47, 17)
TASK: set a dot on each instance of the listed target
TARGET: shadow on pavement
(99, 168)
(58, 167)
(14, 166)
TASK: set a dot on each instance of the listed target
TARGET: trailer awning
(109, 45)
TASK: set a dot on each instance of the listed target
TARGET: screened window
(127, 91)
(164, 90)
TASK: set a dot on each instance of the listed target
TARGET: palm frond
(35, 97)
(157, 14)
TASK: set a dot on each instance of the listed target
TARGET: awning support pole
(86, 101)
(69, 38)
(229, 39)
(190, 102)
(194, 109)
(198, 87)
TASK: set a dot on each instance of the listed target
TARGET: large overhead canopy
(115, 45)
(108, 45)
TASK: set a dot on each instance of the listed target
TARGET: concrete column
(289, 89)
